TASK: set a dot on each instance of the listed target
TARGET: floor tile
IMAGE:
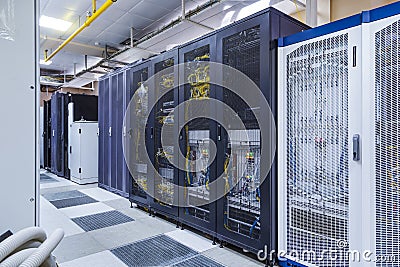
(156, 251)
(119, 204)
(76, 246)
(198, 261)
(64, 187)
(63, 195)
(230, 258)
(194, 241)
(87, 209)
(119, 235)
(51, 219)
(135, 213)
(100, 194)
(101, 259)
(70, 202)
(102, 220)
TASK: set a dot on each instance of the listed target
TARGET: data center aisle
(102, 230)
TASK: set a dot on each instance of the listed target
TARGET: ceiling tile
(79, 7)
(113, 13)
(111, 38)
(126, 5)
(101, 24)
(149, 10)
(119, 29)
(170, 4)
(135, 21)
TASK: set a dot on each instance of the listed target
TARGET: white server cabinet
(339, 189)
(84, 152)
(320, 114)
(19, 153)
(381, 135)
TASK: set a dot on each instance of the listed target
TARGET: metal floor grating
(47, 179)
(198, 261)
(101, 220)
(63, 195)
(71, 202)
(156, 251)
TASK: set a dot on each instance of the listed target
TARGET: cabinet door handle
(356, 147)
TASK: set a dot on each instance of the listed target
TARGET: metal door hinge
(80, 170)
(80, 131)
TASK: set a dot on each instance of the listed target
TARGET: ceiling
(113, 27)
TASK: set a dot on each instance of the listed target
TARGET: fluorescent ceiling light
(45, 63)
(53, 23)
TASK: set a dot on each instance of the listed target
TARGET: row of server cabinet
(59, 113)
(339, 142)
(246, 215)
(331, 197)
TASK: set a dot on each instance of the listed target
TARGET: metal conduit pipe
(147, 37)
(87, 23)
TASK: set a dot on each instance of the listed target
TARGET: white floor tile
(100, 194)
(101, 259)
(61, 182)
(52, 219)
(191, 240)
(87, 209)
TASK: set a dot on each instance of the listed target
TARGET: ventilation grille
(387, 144)
(317, 149)
(156, 251)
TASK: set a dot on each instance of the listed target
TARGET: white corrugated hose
(30, 248)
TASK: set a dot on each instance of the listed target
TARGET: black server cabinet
(196, 136)
(138, 172)
(85, 107)
(105, 133)
(59, 134)
(101, 131)
(112, 113)
(164, 195)
(116, 112)
(47, 134)
(247, 214)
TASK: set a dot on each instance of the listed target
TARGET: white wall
(19, 139)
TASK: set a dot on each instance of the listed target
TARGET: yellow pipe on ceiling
(87, 23)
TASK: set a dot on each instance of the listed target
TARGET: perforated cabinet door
(319, 182)
(381, 143)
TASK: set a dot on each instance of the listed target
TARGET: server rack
(59, 134)
(83, 148)
(320, 171)
(164, 196)
(197, 135)
(136, 78)
(47, 134)
(84, 107)
(79, 108)
(104, 133)
(116, 113)
(380, 135)
(247, 214)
